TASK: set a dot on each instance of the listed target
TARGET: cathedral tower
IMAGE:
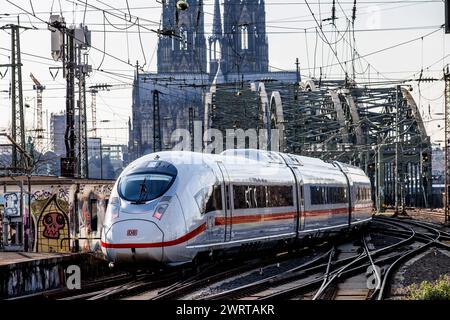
(245, 46)
(185, 50)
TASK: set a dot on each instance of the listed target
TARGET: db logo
(132, 232)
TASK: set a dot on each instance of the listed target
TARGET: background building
(173, 98)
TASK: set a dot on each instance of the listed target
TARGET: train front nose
(133, 241)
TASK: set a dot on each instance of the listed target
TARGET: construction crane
(39, 123)
(94, 90)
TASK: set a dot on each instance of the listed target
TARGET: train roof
(271, 157)
(255, 155)
(229, 156)
(277, 157)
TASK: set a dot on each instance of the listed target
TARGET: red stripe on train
(221, 221)
(170, 243)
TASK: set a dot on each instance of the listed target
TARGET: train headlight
(114, 207)
(160, 209)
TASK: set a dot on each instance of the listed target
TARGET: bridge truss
(378, 128)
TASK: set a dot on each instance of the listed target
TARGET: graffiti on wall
(50, 222)
(91, 204)
(60, 212)
(62, 193)
(12, 205)
(53, 228)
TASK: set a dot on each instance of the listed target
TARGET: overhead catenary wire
(278, 68)
(326, 39)
(93, 47)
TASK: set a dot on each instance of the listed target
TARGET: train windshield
(140, 188)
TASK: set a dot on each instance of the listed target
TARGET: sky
(397, 39)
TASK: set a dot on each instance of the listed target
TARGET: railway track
(330, 275)
(353, 268)
(227, 269)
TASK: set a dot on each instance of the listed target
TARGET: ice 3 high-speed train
(169, 207)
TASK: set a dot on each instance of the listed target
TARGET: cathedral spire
(217, 24)
(215, 41)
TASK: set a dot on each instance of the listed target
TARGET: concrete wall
(34, 276)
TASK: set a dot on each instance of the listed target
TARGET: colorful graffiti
(61, 191)
(61, 217)
(91, 205)
(11, 204)
(53, 228)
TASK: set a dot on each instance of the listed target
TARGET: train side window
(209, 199)
(317, 196)
(339, 195)
(214, 202)
(331, 194)
(275, 197)
(253, 197)
(269, 196)
(261, 199)
(288, 196)
(239, 197)
(324, 194)
(249, 201)
(246, 197)
(280, 196)
(328, 195)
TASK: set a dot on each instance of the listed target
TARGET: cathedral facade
(236, 50)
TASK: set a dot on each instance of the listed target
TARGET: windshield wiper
(143, 191)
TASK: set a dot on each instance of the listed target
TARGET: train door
(300, 199)
(226, 219)
(350, 195)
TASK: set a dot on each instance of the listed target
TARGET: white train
(171, 206)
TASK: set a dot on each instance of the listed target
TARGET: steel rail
(410, 253)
